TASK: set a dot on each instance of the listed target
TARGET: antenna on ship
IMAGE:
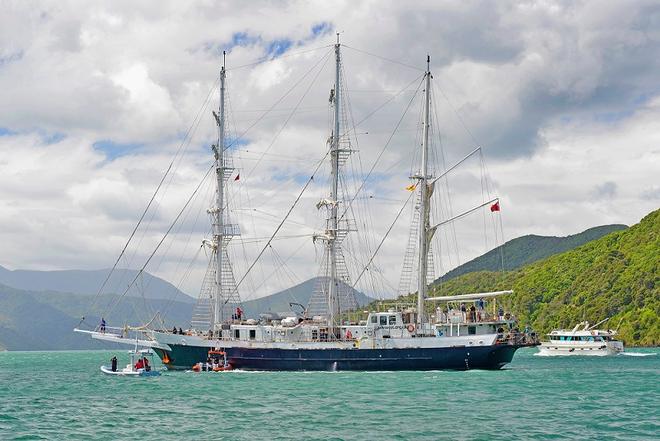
(426, 190)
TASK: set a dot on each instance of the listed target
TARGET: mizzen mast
(333, 295)
(426, 190)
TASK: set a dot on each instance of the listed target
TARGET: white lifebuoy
(410, 328)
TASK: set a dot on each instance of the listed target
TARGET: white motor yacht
(582, 340)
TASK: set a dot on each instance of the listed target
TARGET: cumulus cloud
(98, 97)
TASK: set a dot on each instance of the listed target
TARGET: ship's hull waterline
(181, 357)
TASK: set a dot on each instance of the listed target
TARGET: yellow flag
(411, 187)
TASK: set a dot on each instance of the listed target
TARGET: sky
(99, 98)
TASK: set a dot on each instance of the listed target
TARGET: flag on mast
(238, 176)
(495, 207)
(411, 187)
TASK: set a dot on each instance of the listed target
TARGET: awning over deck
(473, 296)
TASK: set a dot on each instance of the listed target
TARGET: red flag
(238, 176)
(495, 206)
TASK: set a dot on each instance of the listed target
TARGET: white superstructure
(581, 340)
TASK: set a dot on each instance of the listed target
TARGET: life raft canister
(410, 328)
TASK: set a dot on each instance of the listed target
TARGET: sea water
(64, 395)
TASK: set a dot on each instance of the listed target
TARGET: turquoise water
(63, 395)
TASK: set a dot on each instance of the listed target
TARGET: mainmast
(333, 297)
(426, 190)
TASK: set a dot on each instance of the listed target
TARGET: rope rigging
(110, 308)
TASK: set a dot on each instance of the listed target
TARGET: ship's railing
(111, 330)
(470, 317)
(518, 338)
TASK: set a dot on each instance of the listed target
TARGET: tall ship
(333, 333)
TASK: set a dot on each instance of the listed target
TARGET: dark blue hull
(454, 358)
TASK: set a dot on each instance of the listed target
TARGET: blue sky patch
(277, 47)
(52, 138)
(321, 29)
(241, 39)
(15, 56)
(113, 150)
(6, 132)
(612, 117)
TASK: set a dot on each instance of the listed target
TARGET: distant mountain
(44, 320)
(31, 320)
(527, 249)
(616, 276)
(279, 302)
(88, 282)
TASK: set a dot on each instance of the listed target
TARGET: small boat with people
(140, 365)
(215, 362)
(582, 340)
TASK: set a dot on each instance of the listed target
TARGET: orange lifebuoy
(166, 359)
(410, 328)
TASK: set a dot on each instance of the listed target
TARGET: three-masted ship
(323, 338)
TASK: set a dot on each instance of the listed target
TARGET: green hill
(615, 276)
(527, 249)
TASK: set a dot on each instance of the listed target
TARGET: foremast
(426, 190)
(223, 293)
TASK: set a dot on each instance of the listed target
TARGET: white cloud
(563, 97)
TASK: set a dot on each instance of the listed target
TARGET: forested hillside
(615, 276)
(527, 249)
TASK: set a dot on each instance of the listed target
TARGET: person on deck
(473, 314)
(463, 311)
(113, 363)
(239, 313)
(145, 362)
(102, 327)
(500, 313)
(180, 330)
(139, 364)
(174, 331)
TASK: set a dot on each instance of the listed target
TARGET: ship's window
(472, 330)
(383, 320)
(374, 319)
(315, 334)
(253, 334)
(392, 320)
(237, 333)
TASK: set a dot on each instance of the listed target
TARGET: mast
(219, 218)
(333, 297)
(425, 190)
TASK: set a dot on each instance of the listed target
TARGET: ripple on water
(534, 398)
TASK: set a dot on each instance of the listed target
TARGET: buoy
(410, 328)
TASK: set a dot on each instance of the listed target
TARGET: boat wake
(638, 354)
